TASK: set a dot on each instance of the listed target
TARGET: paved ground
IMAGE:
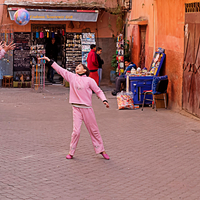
(154, 155)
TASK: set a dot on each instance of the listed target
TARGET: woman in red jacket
(92, 64)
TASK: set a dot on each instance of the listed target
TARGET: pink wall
(165, 29)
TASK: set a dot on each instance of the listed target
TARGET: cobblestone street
(153, 155)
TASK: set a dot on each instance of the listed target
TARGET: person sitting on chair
(122, 79)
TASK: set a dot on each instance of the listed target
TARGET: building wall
(104, 29)
(165, 29)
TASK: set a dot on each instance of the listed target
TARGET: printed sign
(44, 15)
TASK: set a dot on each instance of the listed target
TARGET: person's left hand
(106, 103)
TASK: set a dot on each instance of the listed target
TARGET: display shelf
(38, 67)
(73, 50)
(21, 56)
(120, 54)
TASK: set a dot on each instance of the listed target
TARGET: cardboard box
(160, 101)
(18, 84)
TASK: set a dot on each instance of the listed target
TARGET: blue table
(140, 83)
(137, 87)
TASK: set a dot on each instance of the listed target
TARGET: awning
(59, 15)
(54, 4)
(138, 21)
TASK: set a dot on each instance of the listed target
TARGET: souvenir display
(120, 54)
(73, 50)
(38, 67)
(22, 17)
(155, 67)
(77, 48)
(141, 79)
(21, 56)
(87, 40)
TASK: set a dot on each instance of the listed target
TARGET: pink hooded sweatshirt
(81, 87)
(2, 53)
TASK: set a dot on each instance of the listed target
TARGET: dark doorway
(141, 63)
(50, 31)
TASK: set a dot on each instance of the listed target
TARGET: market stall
(141, 80)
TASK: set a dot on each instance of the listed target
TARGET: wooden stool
(7, 81)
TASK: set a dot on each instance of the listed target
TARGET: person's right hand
(106, 103)
(1, 46)
(11, 46)
(44, 58)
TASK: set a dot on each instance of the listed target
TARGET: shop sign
(46, 15)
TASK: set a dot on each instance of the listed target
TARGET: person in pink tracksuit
(81, 87)
(4, 48)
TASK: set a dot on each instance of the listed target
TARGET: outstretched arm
(63, 72)
(98, 91)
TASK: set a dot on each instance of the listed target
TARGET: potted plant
(114, 66)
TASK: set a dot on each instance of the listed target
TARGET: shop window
(192, 7)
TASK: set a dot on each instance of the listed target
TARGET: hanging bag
(125, 99)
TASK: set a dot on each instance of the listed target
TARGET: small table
(138, 85)
(7, 81)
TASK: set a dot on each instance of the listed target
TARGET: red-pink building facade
(163, 22)
(101, 28)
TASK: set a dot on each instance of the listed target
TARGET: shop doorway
(141, 63)
(42, 34)
(191, 66)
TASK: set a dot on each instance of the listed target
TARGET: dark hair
(99, 48)
(127, 59)
(92, 46)
(87, 70)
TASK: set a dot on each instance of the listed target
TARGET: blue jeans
(100, 75)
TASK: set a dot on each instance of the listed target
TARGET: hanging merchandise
(6, 36)
(37, 34)
(56, 32)
(63, 32)
(38, 67)
(120, 54)
(52, 34)
(47, 33)
(41, 34)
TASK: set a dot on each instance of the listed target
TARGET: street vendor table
(138, 85)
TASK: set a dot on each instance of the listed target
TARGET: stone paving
(154, 155)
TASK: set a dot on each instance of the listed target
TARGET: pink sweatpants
(87, 115)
